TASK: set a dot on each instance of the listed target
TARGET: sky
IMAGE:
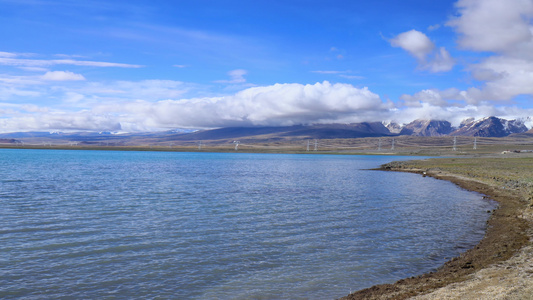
(139, 65)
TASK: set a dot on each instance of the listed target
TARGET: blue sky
(158, 65)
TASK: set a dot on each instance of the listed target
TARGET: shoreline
(508, 232)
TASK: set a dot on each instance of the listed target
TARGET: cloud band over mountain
(276, 105)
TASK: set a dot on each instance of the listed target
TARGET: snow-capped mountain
(427, 128)
(490, 127)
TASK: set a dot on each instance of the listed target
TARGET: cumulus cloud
(414, 42)
(505, 29)
(505, 77)
(432, 97)
(422, 48)
(276, 105)
(116, 108)
(453, 105)
(494, 25)
(62, 76)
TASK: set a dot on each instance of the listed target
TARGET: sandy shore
(501, 265)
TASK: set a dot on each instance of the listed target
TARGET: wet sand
(501, 265)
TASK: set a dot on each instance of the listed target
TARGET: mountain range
(485, 127)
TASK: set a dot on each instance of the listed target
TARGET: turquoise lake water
(147, 225)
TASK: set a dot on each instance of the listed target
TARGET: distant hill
(325, 131)
(9, 141)
(486, 127)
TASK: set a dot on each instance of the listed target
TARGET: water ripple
(82, 224)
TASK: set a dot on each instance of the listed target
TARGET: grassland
(402, 145)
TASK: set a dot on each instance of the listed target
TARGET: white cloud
(13, 54)
(421, 47)
(275, 105)
(279, 104)
(494, 25)
(343, 74)
(69, 55)
(7, 80)
(432, 97)
(433, 27)
(19, 86)
(39, 63)
(83, 120)
(62, 76)
(149, 90)
(505, 77)
(504, 28)
(59, 88)
(330, 72)
(7, 54)
(6, 93)
(441, 62)
(236, 76)
(133, 106)
(34, 69)
(414, 42)
(351, 76)
(72, 97)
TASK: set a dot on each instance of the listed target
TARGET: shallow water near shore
(102, 224)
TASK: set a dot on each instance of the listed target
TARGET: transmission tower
(454, 143)
(475, 143)
(392, 147)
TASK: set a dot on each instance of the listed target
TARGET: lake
(145, 225)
